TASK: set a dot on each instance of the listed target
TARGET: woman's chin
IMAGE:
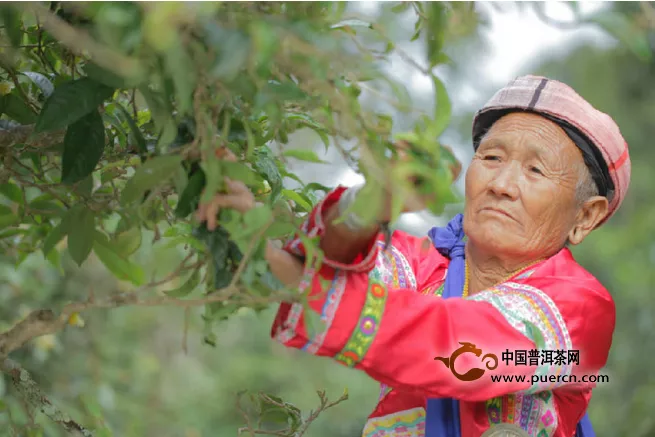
(496, 240)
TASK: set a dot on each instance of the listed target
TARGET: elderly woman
(508, 301)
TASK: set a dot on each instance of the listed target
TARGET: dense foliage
(113, 117)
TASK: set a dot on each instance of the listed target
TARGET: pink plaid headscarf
(559, 101)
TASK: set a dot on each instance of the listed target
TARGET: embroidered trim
(289, 326)
(313, 226)
(332, 301)
(525, 307)
(536, 414)
(407, 423)
(367, 326)
(394, 269)
(384, 390)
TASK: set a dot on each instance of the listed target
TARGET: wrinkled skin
(521, 203)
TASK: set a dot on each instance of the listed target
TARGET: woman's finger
(232, 201)
(236, 187)
(201, 212)
(226, 154)
(211, 213)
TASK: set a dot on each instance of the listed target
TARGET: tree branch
(82, 43)
(34, 396)
(25, 135)
(37, 323)
(43, 322)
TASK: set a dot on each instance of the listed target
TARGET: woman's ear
(591, 213)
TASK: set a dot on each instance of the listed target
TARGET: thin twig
(35, 398)
(82, 43)
(43, 322)
(249, 252)
(25, 135)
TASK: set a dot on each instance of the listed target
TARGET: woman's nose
(505, 181)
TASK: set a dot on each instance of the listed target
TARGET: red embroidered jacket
(384, 315)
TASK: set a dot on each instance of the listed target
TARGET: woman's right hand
(414, 202)
(237, 196)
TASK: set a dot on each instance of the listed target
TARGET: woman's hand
(284, 266)
(413, 201)
(238, 197)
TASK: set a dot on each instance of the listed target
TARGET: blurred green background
(137, 371)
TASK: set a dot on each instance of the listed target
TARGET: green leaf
(80, 226)
(128, 242)
(181, 69)
(45, 206)
(313, 322)
(154, 172)
(257, 218)
(303, 155)
(84, 144)
(109, 78)
(11, 20)
(125, 116)
(234, 48)
(12, 192)
(115, 263)
(41, 81)
(279, 229)
(7, 233)
(443, 109)
(352, 23)
(297, 198)
(190, 197)
(264, 163)
(218, 243)
(160, 108)
(71, 101)
(265, 43)
(273, 413)
(435, 28)
(54, 237)
(16, 109)
(309, 122)
(186, 288)
(7, 217)
(240, 172)
(401, 7)
(275, 92)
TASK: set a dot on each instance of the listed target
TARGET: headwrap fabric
(558, 101)
(442, 414)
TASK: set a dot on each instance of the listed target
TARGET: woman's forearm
(342, 243)
(285, 267)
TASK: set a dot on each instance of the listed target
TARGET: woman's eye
(491, 158)
(536, 170)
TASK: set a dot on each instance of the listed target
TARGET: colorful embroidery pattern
(520, 303)
(536, 414)
(394, 269)
(384, 390)
(337, 288)
(367, 326)
(408, 423)
(288, 329)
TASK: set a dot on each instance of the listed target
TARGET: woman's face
(521, 190)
